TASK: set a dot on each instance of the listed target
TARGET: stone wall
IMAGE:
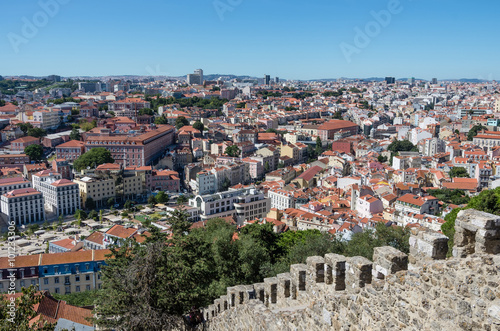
(395, 291)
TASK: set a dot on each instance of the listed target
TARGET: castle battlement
(422, 290)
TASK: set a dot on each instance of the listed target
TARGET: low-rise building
(250, 203)
(97, 189)
(23, 206)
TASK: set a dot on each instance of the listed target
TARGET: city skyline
(323, 40)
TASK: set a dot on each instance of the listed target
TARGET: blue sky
(286, 38)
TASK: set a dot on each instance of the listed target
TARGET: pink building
(255, 168)
(133, 149)
(367, 206)
(20, 144)
(70, 150)
(165, 180)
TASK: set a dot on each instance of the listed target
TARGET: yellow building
(99, 190)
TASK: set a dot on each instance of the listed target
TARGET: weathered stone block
(335, 266)
(271, 290)
(388, 260)
(259, 291)
(284, 286)
(358, 272)
(298, 274)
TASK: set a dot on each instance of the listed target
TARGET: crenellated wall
(422, 290)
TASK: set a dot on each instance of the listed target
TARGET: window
(56, 269)
(77, 288)
(56, 280)
(45, 281)
(33, 282)
(66, 280)
(87, 287)
(77, 278)
(87, 277)
(21, 283)
(57, 289)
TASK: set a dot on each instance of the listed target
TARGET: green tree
(402, 146)
(198, 126)
(80, 215)
(75, 134)
(34, 151)
(233, 151)
(25, 127)
(448, 229)
(87, 126)
(128, 204)
(137, 284)
(152, 200)
(363, 243)
(382, 158)
(93, 215)
(458, 172)
(180, 122)
(161, 120)
(93, 158)
(226, 184)
(24, 312)
(474, 131)
(146, 111)
(36, 132)
(111, 202)
(319, 146)
(162, 197)
(181, 199)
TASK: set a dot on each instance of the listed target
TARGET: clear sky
(286, 38)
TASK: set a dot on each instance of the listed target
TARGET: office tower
(390, 80)
(411, 80)
(54, 78)
(199, 72)
(277, 80)
(434, 81)
(195, 78)
(267, 79)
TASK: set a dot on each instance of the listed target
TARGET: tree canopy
(93, 158)
(36, 132)
(198, 126)
(75, 134)
(458, 172)
(34, 151)
(474, 131)
(233, 151)
(180, 122)
(402, 146)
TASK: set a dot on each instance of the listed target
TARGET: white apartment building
(23, 206)
(14, 183)
(243, 204)
(281, 199)
(205, 183)
(47, 119)
(61, 195)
